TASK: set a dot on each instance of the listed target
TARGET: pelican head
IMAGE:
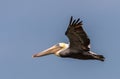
(63, 47)
(56, 49)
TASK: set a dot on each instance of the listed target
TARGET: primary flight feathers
(76, 34)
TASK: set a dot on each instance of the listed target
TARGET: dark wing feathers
(77, 36)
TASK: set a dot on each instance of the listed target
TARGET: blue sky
(30, 26)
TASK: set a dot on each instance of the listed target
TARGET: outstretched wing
(77, 36)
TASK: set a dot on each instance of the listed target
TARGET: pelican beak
(51, 50)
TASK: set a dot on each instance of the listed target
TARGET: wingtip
(78, 21)
(71, 18)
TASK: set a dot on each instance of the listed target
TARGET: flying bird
(78, 47)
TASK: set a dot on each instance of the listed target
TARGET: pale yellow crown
(64, 45)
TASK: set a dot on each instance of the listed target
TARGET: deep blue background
(30, 26)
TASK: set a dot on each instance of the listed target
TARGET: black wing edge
(72, 23)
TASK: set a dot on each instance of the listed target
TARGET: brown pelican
(79, 47)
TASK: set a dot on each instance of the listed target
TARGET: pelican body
(78, 48)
